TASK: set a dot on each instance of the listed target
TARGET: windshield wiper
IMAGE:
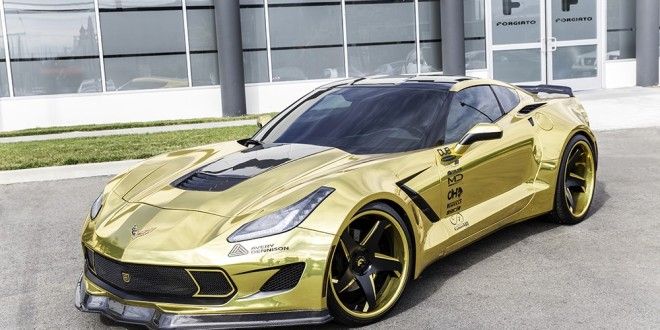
(248, 142)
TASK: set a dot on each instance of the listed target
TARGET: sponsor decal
(454, 204)
(458, 221)
(446, 157)
(444, 151)
(455, 193)
(238, 250)
(455, 177)
(268, 248)
(136, 232)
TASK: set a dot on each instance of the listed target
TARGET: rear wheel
(370, 266)
(576, 182)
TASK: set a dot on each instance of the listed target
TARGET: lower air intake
(286, 278)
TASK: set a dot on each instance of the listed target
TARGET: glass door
(573, 55)
(517, 45)
(545, 42)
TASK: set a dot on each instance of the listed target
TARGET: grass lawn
(22, 155)
(102, 127)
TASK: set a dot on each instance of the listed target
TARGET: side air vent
(529, 108)
(286, 278)
(200, 181)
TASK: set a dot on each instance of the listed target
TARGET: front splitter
(155, 319)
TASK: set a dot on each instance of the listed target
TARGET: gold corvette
(335, 204)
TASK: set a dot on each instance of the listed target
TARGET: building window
(53, 46)
(203, 42)
(143, 44)
(255, 51)
(381, 37)
(313, 52)
(4, 83)
(620, 29)
(430, 39)
(475, 34)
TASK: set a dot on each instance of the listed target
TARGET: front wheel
(576, 182)
(370, 266)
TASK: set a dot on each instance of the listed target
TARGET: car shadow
(433, 277)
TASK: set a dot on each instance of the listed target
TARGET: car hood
(233, 179)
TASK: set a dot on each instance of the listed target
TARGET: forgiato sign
(515, 23)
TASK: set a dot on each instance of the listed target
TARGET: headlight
(96, 207)
(282, 220)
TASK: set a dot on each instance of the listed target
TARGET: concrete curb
(64, 172)
(111, 168)
(128, 131)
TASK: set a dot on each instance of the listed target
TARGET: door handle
(553, 44)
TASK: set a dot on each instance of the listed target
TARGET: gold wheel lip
(590, 177)
(404, 270)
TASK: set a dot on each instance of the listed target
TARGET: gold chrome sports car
(335, 204)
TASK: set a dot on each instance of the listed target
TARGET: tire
(389, 292)
(576, 182)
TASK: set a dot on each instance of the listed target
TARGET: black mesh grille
(212, 283)
(155, 281)
(200, 181)
(286, 278)
(89, 258)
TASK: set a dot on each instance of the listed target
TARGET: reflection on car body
(334, 205)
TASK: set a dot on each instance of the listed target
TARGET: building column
(648, 36)
(230, 57)
(453, 41)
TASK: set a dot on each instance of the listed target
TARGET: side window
(508, 98)
(469, 107)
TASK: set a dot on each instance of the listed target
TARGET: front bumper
(156, 319)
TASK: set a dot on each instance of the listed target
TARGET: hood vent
(242, 165)
(200, 181)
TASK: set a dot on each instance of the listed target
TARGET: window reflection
(475, 34)
(253, 30)
(143, 44)
(621, 29)
(53, 46)
(430, 36)
(313, 52)
(202, 40)
(381, 37)
(4, 83)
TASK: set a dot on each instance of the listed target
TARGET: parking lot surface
(602, 273)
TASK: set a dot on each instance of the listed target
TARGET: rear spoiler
(549, 89)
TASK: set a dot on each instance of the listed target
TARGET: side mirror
(263, 120)
(480, 132)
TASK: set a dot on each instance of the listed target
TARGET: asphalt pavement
(602, 273)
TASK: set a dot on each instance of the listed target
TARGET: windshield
(362, 119)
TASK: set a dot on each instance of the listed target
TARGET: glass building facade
(67, 62)
(90, 46)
